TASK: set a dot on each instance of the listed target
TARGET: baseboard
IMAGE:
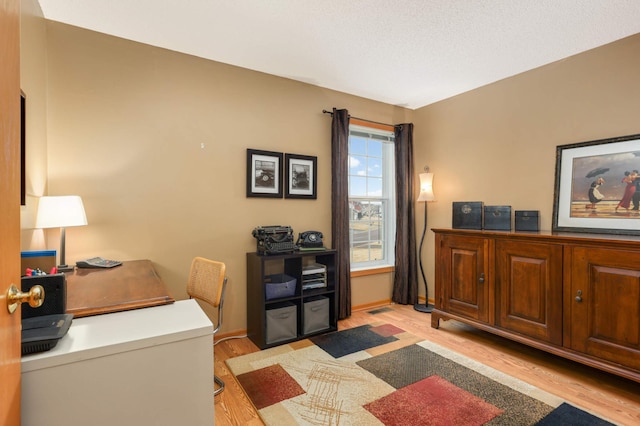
(380, 303)
(363, 307)
(371, 305)
(231, 334)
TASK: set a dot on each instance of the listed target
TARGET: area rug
(379, 374)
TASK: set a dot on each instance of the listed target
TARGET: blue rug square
(567, 414)
(339, 344)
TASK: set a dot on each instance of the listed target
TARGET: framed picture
(264, 174)
(23, 148)
(301, 173)
(597, 186)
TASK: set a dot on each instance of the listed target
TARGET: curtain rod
(324, 111)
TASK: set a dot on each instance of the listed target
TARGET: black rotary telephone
(310, 239)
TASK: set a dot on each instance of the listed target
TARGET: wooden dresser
(573, 295)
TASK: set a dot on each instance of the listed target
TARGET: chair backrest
(207, 281)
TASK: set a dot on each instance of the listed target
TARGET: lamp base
(426, 308)
(64, 268)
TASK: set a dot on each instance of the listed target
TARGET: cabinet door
(604, 304)
(529, 289)
(463, 278)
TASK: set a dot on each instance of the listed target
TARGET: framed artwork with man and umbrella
(597, 187)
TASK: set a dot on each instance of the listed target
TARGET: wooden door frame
(10, 392)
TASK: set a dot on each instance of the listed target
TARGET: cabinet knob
(579, 296)
(481, 279)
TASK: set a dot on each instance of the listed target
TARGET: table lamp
(426, 194)
(61, 212)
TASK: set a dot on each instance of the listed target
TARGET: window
(372, 223)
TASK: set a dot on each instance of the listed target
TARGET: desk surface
(104, 335)
(134, 284)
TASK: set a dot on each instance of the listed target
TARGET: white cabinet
(151, 366)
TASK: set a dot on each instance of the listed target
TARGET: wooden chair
(207, 282)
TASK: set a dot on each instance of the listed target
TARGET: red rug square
(269, 386)
(432, 401)
(387, 330)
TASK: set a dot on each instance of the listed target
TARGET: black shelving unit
(261, 267)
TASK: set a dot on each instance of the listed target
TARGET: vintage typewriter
(274, 239)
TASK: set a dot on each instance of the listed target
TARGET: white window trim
(390, 211)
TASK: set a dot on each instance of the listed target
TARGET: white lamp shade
(426, 187)
(60, 212)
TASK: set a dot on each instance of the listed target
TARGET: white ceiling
(402, 52)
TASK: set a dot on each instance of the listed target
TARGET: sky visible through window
(365, 167)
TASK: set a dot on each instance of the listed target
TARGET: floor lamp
(426, 195)
(61, 212)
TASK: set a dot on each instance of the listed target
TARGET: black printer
(44, 326)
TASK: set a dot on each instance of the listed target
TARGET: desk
(141, 367)
(134, 284)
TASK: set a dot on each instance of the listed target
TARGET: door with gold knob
(9, 209)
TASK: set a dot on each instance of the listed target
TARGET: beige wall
(497, 144)
(155, 142)
(33, 82)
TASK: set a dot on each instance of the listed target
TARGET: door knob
(481, 279)
(35, 297)
(579, 296)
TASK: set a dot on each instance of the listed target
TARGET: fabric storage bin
(279, 285)
(316, 314)
(282, 323)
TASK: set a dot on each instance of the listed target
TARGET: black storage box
(497, 218)
(55, 295)
(467, 214)
(527, 220)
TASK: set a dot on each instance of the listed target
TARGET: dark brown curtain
(405, 280)
(340, 207)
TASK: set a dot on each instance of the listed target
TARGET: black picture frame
(596, 188)
(23, 148)
(264, 174)
(301, 173)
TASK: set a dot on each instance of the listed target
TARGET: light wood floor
(611, 397)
